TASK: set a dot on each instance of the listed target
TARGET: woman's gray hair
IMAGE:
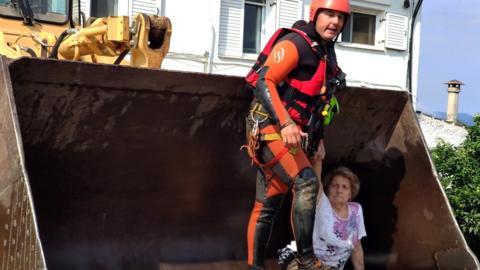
(347, 173)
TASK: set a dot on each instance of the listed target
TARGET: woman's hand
(317, 159)
(320, 153)
(357, 257)
(292, 135)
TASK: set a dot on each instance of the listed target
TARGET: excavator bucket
(112, 167)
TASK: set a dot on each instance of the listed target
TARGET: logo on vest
(278, 55)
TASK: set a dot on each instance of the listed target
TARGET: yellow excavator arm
(111, 38)
(104, 40)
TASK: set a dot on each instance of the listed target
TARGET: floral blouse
(334, 237)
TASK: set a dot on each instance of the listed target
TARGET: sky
(449, 49)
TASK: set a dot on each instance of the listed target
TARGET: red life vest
(300, 98)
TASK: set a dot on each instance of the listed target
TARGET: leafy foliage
(459, 170)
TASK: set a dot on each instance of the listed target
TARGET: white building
(224, 36)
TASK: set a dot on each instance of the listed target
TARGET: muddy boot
(310, 262)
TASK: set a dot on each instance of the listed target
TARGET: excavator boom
(46, 30)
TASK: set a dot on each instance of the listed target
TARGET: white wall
(194, 42)
(195, 30)
(194, 35)
(196, 25)
(127, 7)
(374, 69)
(376, 66)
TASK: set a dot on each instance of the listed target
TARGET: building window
(360, 29)
(246, 25)
(252, 26)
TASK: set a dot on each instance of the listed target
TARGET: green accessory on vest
(332, 107)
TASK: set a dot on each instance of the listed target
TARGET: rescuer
(293, 82)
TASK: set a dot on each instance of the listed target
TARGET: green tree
(459, 170)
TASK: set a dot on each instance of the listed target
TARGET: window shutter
(85, 7)
(289, 13)
(144, 6)
(75, 11)
(306, 10)
(230, 36)
(396, 32)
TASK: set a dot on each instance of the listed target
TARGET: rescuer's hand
(292, 135)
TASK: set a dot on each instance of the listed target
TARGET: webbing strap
(271, 137)
(274, 160)
(304, 112)
(251, 150)
(253, 145)
(288, 92)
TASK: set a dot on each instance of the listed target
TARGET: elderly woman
(339, 222)
(339, 225)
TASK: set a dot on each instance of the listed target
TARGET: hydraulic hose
(84, 19)
(121, 56)
(54, 53)
(29, 51)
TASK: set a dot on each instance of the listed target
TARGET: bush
(459, 171)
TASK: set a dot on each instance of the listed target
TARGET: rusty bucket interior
(131, 168)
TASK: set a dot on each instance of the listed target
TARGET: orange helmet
(337, 5)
